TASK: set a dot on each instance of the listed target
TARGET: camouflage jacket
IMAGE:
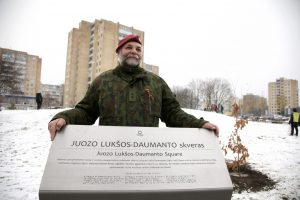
(122, 97)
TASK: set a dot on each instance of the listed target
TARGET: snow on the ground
(25, 143)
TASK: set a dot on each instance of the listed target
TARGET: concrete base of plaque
(131, 163)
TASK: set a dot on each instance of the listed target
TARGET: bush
(240, 152)
(12, 106)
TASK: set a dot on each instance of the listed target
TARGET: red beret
(128, 38)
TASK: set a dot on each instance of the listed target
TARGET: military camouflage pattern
(135, 97)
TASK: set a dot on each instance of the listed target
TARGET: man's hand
(55, 125)
(211, 127)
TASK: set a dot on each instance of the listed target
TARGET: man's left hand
(211, 127)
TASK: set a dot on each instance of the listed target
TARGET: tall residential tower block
(283, 96)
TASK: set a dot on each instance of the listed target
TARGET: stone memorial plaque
(128, 163)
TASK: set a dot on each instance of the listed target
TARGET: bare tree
(185, 97)
(207, 92)
(195, 87)
(222, 92)
(214, 91)
(203, 94)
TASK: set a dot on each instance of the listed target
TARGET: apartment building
(52, 95)
(91, 51)
(151, 68)
(283, 95)
(21, 75)
(254, 105)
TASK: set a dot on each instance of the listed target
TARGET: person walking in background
(294, 121)
(128, 95)
(221, 109)
(39, 100)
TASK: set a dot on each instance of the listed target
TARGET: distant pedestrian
(39, 100)
(294, 121)
(221, 109)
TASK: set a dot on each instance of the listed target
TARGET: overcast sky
(247, 42)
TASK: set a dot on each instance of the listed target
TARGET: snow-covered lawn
(25, 143)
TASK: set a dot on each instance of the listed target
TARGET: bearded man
(128, 95)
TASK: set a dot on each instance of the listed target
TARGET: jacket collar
(130, 75)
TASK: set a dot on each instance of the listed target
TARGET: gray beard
(124, 62)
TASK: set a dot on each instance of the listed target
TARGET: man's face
(130, 54)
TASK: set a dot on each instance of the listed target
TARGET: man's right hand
(55, 125)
